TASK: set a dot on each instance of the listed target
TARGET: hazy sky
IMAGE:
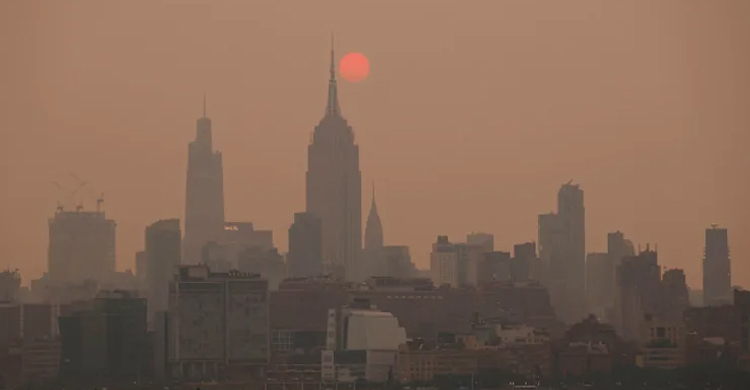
(475, 112)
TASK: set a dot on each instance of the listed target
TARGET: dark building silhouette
(373, 256)
(598, 269)
(618, 248)
(305, 257)
(373, 229)
(562, 249)
(334, 185)
(573, 216)
(104, 340)
(10, 285)
(638, 287)
(265, 262)
(717, 271)
(484, 240)
(674, 294)
(494, 266)
(81, 247)
(204, 196)
(551, 248)
(163, 247)
(524, 257)
(396, 262)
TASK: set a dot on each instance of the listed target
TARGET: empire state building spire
(332, 106)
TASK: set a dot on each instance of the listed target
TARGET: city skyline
(413, 195)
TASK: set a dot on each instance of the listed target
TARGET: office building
(163, 255)
(717, 269)
(81, 247)
(305, 257)
(218, 323)
(334, 185)
(204, 193)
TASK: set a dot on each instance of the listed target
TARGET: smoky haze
(472, 117)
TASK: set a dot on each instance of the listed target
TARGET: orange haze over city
(472, 116)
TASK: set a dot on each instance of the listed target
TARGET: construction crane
(68, 195)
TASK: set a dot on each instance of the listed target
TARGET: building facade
(717, 269)
(216, 322)
(204, 194)
(334, 185)
(81, 247)
(163, 255)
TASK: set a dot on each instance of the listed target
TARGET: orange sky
(473, 115)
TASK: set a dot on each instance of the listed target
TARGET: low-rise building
(663, 344)
(217, 321)
(361, 344)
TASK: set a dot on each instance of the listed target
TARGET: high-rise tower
(572, 216)
(81, 247)
(562, 253)
(204, 197)
(372, 256)
(717, 270)
(334, 185)
(373, 228)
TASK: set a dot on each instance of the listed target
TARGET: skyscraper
(204, 197)
(305, 257)
(618, 248)
(484, 240)
(562, 250)
(81, 246)
(334, 185)
(717, 271)
(162, 258)
(572, 213)
(372, 258)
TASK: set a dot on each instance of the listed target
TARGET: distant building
(305, 257)
(524, 261)
(217, 322)
(572, 213)
(444, 263)
(663, 344)
(163, 255)
(141, 268)
(396, 262)
(28, 322)
(81, 247)
(674, 294)
(372, 256)
(494, 266)
(334, 185)
(638, 288)
(222, 254)
(204, 194)
(717, 270)
(485, 241)
(104, 340)
(10, 285)
(598, 282)
(618, 248)
(267, 263)
(361, 344)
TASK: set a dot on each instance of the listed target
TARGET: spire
(373, 228)
(204, 105)
(332, 107)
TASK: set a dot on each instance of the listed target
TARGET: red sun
(354, 67)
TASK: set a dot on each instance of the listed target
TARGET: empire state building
(334, 186)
